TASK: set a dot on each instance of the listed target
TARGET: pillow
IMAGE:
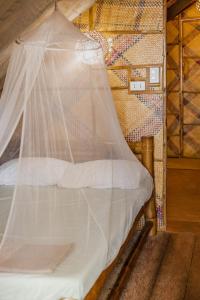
(33, 171)
(104, 174)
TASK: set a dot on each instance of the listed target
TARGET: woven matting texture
(183, 101)
(125, 31)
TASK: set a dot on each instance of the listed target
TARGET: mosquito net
(75, 173)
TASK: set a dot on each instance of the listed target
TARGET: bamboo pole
(148, 162)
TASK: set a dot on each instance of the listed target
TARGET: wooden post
(148, 162)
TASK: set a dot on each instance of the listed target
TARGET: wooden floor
(183, 196)
(167, 269)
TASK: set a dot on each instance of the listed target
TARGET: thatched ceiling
(17, 16)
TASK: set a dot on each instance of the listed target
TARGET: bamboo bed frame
(146, 149)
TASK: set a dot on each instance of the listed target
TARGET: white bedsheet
(74, 277)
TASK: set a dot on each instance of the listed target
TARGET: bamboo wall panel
(132, 36)
(173, 32)
(191, 13)
(173, 103)
(191, 108)
(173, 124)
(191, 141)
(191, 74)
(118, 78)
(173, 83)
(82, 21)
(173, 143)
(183, 88)
(125, 49)
(114, 15)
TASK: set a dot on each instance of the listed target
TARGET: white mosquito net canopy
(73, 161)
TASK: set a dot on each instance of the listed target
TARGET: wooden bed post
(148, 162)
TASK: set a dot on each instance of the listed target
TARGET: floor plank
(142, 278)
(167, 269)
(173, 274)
(193, 286)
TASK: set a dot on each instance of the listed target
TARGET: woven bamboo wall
(132, 34)
(183, 78)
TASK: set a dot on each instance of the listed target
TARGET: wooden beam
(170, 3)
(177, 8)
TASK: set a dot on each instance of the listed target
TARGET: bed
(82, 276)
(145, 149)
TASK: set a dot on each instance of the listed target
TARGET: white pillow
(33, 171)
(104, 174)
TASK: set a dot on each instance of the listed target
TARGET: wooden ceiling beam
(177, 8)
(170, 3)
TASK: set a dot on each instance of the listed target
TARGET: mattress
(77, 273)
